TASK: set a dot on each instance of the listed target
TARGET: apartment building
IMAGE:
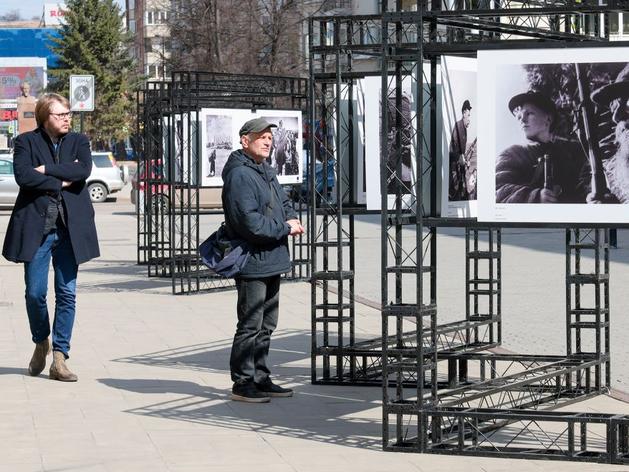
(148, 19)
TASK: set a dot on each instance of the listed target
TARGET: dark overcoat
(26, 226)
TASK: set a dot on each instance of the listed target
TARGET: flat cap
(619, 88)
(539, 99)
(257, 125)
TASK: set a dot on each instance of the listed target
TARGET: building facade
(148, 20)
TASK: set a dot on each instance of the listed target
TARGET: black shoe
(249, 393)
(273, 390)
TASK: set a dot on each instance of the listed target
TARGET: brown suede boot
(38, 361)
(59, 370)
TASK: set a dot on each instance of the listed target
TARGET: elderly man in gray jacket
(257, 210)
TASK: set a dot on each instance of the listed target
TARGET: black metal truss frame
(483, 402)
(169, 211)
(153, 228)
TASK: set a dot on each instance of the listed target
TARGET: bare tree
(248, 37)
(12, 15)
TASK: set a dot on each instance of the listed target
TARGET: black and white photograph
(460, 143)
(220, 138)
(185, 131)
(373, 129)
(557, 132)
(287, 150)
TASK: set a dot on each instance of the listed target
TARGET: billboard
(53, 14)
(16, 70)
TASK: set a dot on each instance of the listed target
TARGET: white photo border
(491, 92)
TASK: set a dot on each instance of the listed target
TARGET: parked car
(156, 196)
(304, 188)
(158, 193)
(106, 178)
(8, 187)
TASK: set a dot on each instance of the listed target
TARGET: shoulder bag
(228, 256)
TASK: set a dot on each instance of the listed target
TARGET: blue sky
(30, 9)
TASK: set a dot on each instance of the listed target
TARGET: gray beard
(621, 167)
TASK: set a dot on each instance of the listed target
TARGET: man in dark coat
(53, 218)
(457, 188)
(257, 210)
(212, 161)
(546, 170)
(279, 143)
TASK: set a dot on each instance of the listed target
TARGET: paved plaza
(153, 389)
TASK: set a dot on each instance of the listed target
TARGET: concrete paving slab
(153, 390)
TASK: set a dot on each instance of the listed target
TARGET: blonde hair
(44, 104)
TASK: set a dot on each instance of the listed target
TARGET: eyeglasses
(62, 116)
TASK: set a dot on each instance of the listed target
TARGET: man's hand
(65, 183)
(550, 196)
(607, 198)
(41, 169)
(295, 227)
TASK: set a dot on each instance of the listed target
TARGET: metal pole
(82, 120)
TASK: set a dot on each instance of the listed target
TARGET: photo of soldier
(574, 120)
(218, 145)
(542, 170)
(285, 154)
(404, 154)
(462, 159)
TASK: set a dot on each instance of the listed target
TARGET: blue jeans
(258, 312)
(55, 245)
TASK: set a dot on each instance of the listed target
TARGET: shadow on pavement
(329, 414)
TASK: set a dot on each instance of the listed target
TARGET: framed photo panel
(554, 140)
(219, 137)
(373, 120)
(459, 105)
(288, 144)
(185, 147)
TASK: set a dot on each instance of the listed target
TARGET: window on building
(159, 44)
(132, 26)
(131, 4)
(624, 19)
(156, 71)
(156, 17)
(613, 23)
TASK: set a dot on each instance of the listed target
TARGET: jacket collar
(263, 168)
(44, 143)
